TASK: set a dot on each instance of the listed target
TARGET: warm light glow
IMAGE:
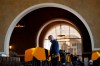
(63, 40)
(20, 26)
(10, 47)
(68, 43)
(61, 36)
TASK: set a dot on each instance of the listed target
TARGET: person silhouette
(54, 51)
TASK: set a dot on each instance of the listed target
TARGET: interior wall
(89, 10)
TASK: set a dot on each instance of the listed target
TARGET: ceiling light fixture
(19, 26)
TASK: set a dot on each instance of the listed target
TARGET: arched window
(68, 37)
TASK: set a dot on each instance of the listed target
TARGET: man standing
(54, 50)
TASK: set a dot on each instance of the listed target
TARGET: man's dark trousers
(54, 61)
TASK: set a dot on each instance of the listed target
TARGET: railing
(9, 61)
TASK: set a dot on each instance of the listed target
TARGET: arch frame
(37, 6)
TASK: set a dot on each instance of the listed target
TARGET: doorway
(49, 11)
(67, 35)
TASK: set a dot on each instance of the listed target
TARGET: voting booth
(95, 56)
(38, 53)
(37, 56)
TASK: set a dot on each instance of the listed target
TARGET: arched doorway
(54, 7)
(68, 36)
